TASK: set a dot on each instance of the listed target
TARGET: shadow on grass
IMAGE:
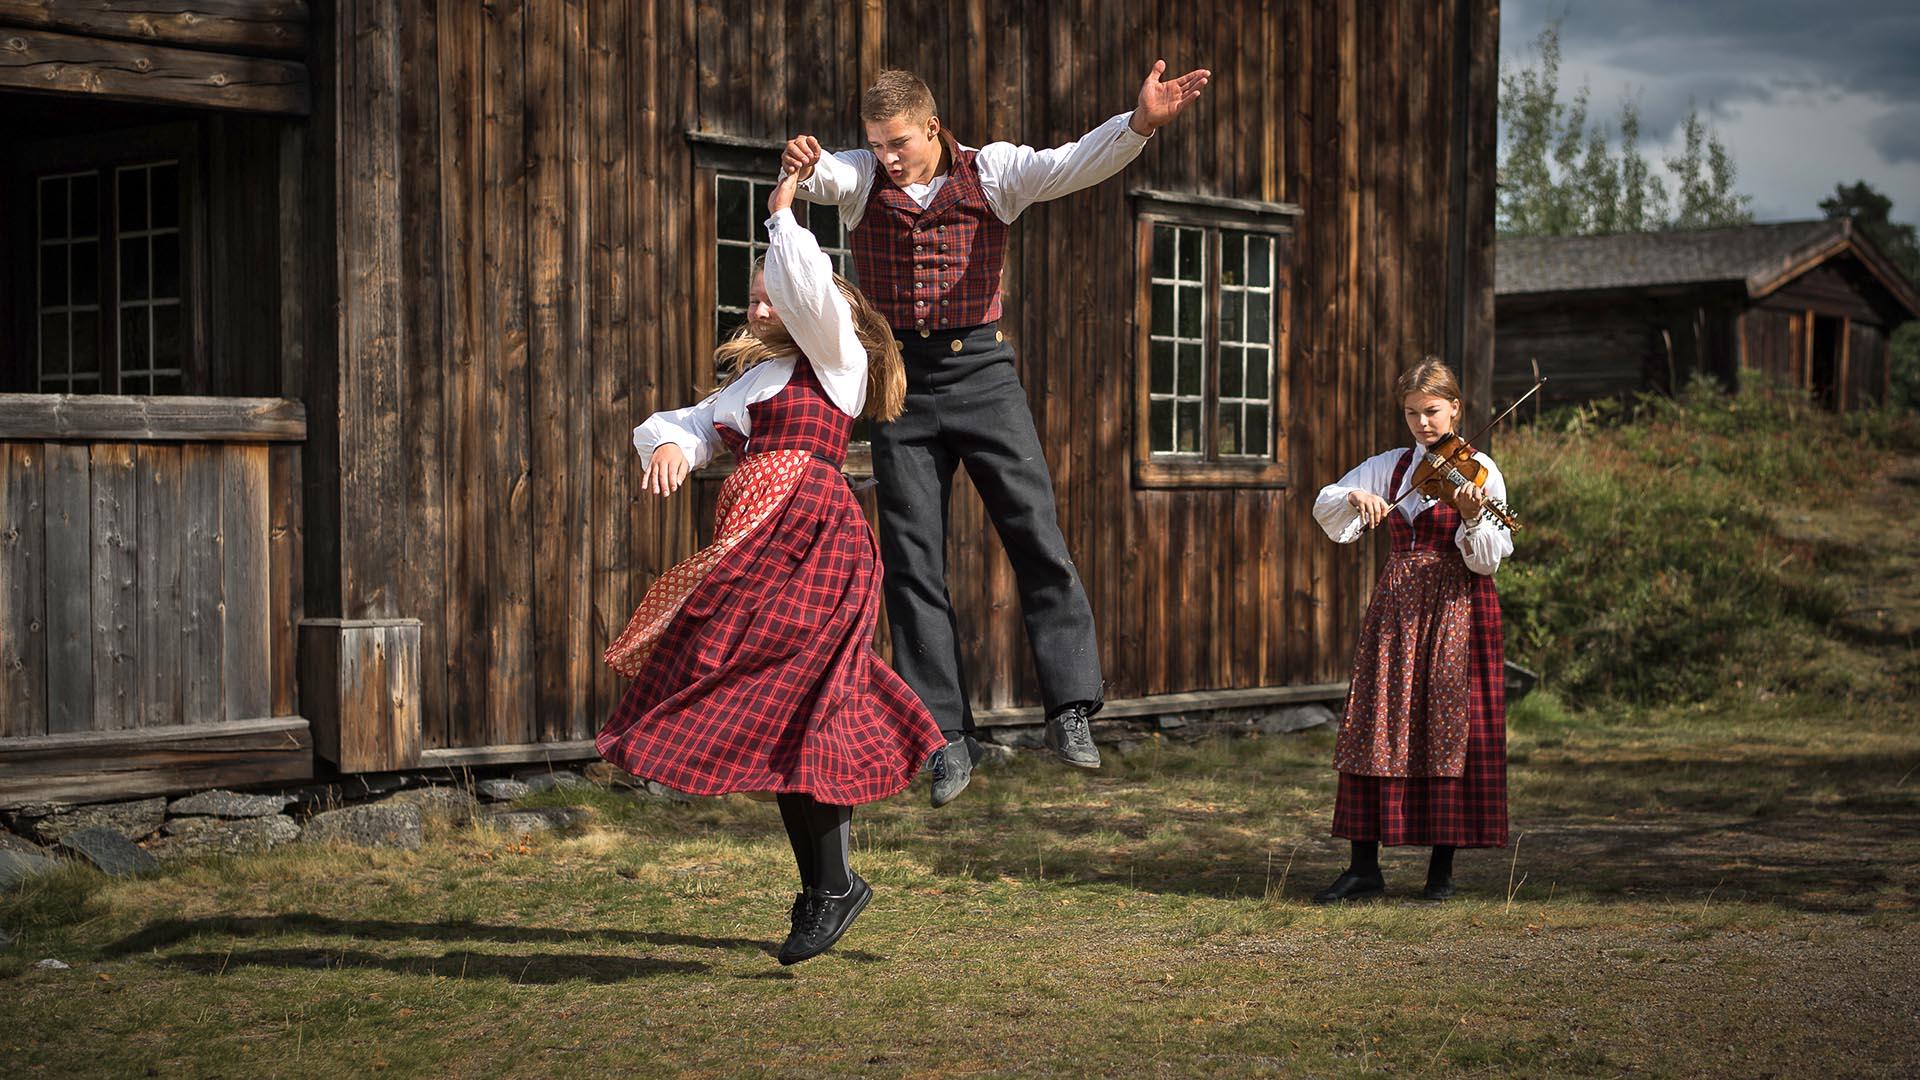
(554, 967)
(539, 968)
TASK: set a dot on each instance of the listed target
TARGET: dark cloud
(1896, 135)
(1718, 53)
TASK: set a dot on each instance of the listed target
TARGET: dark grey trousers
(966, 407)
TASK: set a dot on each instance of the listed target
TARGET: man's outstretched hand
(800, 156)
(1162, 101)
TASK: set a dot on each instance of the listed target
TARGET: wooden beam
(360, 682)
(151, 419)
(1163, 704)
(267, 27)
(51, 62)
(100, 765)
(457, 756)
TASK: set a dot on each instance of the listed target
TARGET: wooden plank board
(271, 27)
(50, 62)
(247, 630)
(548, 359)
(114, 610)
(160, 494)
(285, 541)
(136, 419)
(23, 590)
(203, 587)
(109, 765)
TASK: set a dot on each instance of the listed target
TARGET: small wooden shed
(1811, 304)
(324, 325)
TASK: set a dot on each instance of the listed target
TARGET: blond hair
(897, 93)
(886, 372)
(1429, 376)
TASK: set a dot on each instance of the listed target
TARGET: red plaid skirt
(766, 679)
(1465, 811)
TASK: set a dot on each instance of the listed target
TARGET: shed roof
(1763, 257)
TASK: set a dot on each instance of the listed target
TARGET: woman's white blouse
(799, 279)
(1483, 544)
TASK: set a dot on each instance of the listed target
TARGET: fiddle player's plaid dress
(753, 662)
(1464, 810)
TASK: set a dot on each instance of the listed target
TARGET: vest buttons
(924, 332)
(956, 346)
(999, 336)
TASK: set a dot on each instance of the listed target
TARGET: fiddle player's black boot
(1362, 879)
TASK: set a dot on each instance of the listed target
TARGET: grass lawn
(1725, 885)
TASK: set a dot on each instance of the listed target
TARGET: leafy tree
(1560, 175)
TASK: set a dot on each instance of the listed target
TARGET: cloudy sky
(1804, 94)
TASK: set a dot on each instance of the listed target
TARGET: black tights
(1366, 862)
(819, 833)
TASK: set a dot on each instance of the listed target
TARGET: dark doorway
(1823, 366)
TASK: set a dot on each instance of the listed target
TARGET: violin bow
(1538, 382)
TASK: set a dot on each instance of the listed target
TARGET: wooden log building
(1810, 304)
(326, 323)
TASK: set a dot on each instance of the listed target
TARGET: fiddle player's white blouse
(800, 286)
(1482, 543)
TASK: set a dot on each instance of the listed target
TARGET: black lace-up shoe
(951, 767)
(1070, 740)
(821, 918)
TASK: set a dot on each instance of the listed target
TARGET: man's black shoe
(1070, 740)
(1351, 887)
(951, 767)
(1441, 891)
(820, 918)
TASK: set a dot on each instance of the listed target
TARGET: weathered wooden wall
(550, 260)
(152, 563)
(1613, 345)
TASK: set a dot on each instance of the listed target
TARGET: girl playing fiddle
(1422, 747)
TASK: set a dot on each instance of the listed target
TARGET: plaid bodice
(799, 417)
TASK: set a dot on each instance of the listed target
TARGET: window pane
(1231, 372)
(824, 221)
(732, 222)
(86, 341)
(1190, 370)
(1160, 379)
(1190, 241)
(1256, 431)
(725, 323)
(1230, 300)
(1163, 245)
(1190, 312)
(166, 266)
(53, 344)
(132, 203)
(1259, 261)
(166, 384)
(133, 268)
(1187, 427)
(166, 336)
(85, 272)
(53, 275)
(1259, 307)
(1163, 310)
(736, 276)
(53, 208)
(133, 340)
(1257, 367)
(1160, 427)
(757, 211)
(166, 195)
(1227, 435)
(86, 205)
(1231, 257)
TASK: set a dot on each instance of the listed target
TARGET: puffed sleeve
(810, 305)
(1484, 542)
(691, 429)
(1343, 524)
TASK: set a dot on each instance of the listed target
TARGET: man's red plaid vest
(937, 268)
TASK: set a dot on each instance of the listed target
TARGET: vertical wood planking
(607, 359)
(115, 612)
(160, 494)
(546, 366)
(284, 543)
(247, 661)
(23, 590)
(203, 583)
(581, 220)
(69, 528)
